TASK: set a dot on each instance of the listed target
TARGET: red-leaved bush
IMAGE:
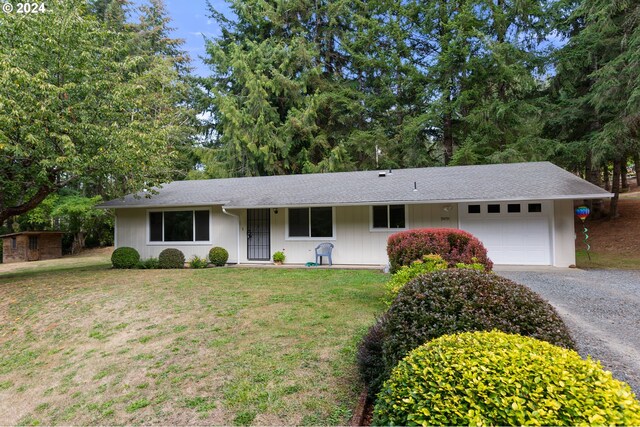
(453, 245)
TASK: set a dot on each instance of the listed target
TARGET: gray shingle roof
(502, 182)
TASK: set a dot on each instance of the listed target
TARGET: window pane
(155, 226)
(321, 222)
(202, 226)
(33, 243)
(535, 207)
(396, 216)
(493, 208)
(513, 208)
(299, 222)
(178, 226)
(473, 209)
(380, 219)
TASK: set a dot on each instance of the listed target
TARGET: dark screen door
(258, 234)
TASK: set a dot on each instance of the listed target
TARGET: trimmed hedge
(451, 301)
(406, 273)
(493, 378)
(171, 258)
(455, 246)
(125, 257)
(218, 256)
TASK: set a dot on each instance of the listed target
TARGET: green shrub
(125, 257)
(455, 246)
(197, 262)
(428, 264)
(493, 378)
(369, 357)
(460, 300)
(171, 258)
(149, 264)
(279, 257)
(218, 256)
(472, 266)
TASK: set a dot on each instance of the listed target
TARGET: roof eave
(226, 204)
(156, 206)
(418, 202)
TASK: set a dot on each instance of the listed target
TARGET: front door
(258, 234)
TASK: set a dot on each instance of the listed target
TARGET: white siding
(132, 231)
(354, 242)
(564, 234)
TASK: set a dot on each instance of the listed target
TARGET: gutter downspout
(115, 228)
(224, 211)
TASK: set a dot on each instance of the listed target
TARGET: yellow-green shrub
(405, 274)
(493, 378)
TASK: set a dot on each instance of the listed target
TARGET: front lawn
(91, 345)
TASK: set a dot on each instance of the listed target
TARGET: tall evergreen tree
(597, 89)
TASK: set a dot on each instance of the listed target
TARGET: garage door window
(513, 208)
(473, 209)
(493, 208)
(535, 207)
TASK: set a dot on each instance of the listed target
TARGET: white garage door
(516, 233)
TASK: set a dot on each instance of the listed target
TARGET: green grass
(89, 345)
(606, 261)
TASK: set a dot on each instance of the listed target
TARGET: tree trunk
(615, 189)
(78, 242)
(448, 138)
(636, 163)
(607, 185)
(592, 173)
(624, 185)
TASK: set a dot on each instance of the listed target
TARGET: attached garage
(514, 233)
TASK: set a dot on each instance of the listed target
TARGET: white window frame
(373, 229)
(314, 239)
(186, 242)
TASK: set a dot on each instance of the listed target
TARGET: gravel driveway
(602, 310)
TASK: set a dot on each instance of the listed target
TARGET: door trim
(259, 250)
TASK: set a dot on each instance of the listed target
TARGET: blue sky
(191, 21)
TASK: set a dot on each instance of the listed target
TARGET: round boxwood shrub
(493, 378)
(171, 258)
(218, 256)
(125, 257)
(428, 264)
(455, 246)
(458, 300)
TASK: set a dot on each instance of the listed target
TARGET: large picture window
(179, 226)
(311, 222)
(388, 217)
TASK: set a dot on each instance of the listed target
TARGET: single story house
(523, 213)
(31, 246)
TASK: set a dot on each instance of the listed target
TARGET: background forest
(301, 86)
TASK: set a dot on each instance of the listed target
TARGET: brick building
(31, 246)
